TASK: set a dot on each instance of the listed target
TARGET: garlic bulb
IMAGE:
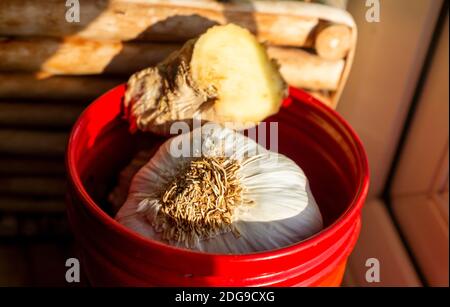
(226, 194)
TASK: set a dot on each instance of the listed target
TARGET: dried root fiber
(200, 202)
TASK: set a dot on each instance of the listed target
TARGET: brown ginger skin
(158, 96)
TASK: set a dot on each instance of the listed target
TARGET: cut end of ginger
(229, 61)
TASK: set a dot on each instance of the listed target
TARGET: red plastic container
(310, 133)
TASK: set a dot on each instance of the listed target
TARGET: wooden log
(32, 205)
(33, 186)
(21, 114)
(32, 166)
(9, 227)
(20, 85)
(333, 42)
(323, 96)
(79, 56)
(36, 143)
(302, 69)
(43, 226)
(279, 23)
(298, 67)
(46, 261)
(13, 265)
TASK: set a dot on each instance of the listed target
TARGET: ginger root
(223, 76)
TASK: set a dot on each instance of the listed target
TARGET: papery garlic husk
(119, 193)
(282, 209)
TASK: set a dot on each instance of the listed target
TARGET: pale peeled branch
(223, 76)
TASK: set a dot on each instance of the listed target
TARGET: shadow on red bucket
(313, 135)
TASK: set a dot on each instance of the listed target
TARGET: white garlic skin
(284, 210)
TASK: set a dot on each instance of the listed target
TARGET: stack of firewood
(52, 66)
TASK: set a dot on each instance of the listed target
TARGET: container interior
(313, 138)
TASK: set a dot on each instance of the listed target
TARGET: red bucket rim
(297, 94)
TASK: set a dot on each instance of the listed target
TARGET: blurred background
(391, 84)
